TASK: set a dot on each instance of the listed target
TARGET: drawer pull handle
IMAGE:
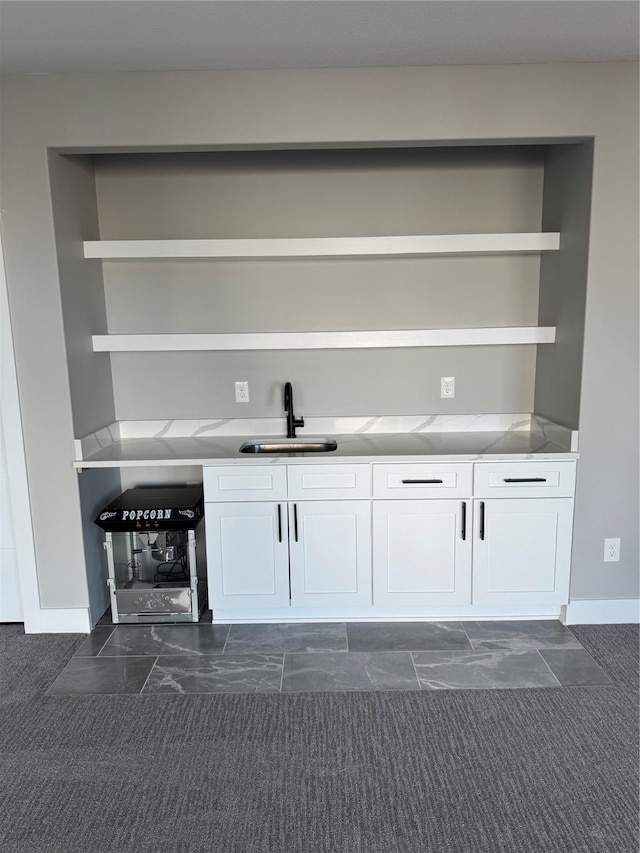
(463, 532)
(279, 523)
(295, 521)
(481, 519)
(525, 479)
(427, 482)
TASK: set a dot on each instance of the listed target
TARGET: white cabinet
(263, 554)
(247, 555)
(307, 538)
(422, 539)
(512, 550)
(422, 552)
(330, 553)
(522, 551)
(522, 533)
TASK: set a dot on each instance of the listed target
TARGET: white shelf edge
(326, 340)
(317, 247)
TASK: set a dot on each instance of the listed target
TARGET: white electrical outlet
(612, 550)
(242, 392)
(447, 386)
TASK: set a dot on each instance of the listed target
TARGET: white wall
(202, 111)
(10, 599)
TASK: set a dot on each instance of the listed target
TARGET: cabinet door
(247, 555)
(522, 551)
(330, 553)
(421, 552)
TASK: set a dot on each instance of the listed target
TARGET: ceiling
(150, 35)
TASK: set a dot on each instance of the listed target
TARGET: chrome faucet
(292, 421)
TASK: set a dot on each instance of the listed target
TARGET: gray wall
(204, 110)
(322, 193)
(96, 487)
(332, 382)
(563, 281)
(75, 218)
(319, 193)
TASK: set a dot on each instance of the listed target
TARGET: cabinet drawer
(524, 479)
(245, 483)
(315, 482)
(422, 480)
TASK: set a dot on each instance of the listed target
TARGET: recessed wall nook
(359, 275)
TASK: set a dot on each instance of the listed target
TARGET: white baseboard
(58, 621)
(612, 611)
(385, 614)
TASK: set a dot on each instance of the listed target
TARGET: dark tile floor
(311, 657)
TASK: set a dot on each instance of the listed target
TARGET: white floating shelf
(326, 340)
(324, 247)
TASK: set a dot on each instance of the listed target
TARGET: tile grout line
(549, 668)
(152, 667)
(224, 648)
(76, 655)
(106, 641)
(102, 647)
(469, 640)
(413, 663)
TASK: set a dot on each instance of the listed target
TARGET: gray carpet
(541, 770)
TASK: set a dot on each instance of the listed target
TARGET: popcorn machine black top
(155, 553)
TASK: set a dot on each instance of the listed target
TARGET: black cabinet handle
(482, 519)
(525, 480)
(279, 523)
(295, 522)
(423, 481)
(464, 521)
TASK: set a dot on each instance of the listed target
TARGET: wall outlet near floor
(612, 550)
(447, 386)
(242, 392)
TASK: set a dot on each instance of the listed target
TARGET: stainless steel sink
(289, 445)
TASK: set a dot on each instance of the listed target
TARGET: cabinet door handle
(295, 522)
(429, 482)
(279, 523)
(482, 519)
(525, 480)
(463, 532)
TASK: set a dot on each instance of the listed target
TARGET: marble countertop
(359, 447)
